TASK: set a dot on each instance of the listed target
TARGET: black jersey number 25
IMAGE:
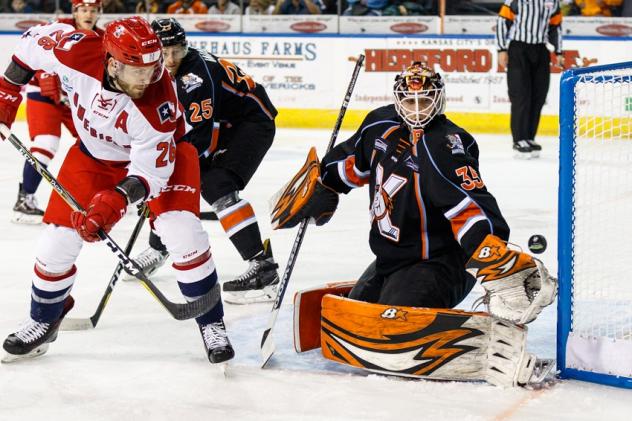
(201, 110)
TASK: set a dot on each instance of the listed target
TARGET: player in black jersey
(435, 230)
(232, 122)
(435, 227)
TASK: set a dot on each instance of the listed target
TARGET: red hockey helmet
(77, 3)
(136, 50)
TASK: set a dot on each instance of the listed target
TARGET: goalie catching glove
(305, 196)
(517, 286)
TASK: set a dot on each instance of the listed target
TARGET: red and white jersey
(112, 127)
(57, 33)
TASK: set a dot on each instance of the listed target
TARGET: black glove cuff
(133, 188)
(17, 74)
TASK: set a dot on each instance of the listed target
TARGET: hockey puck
(537, 244)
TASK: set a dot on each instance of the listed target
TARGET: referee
(523, 29)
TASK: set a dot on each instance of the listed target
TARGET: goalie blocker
(438, 344)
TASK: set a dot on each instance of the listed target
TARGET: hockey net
(595, 225)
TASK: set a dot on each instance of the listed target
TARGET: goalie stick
(267, 344)
(179, 311)
(69, 323)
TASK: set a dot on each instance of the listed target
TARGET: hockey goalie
(435, 231)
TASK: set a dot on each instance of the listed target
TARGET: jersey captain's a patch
(166, 112)
(190, 81)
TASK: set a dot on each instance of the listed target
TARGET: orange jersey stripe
(249, 95)
(458, 221)
(507, 13)
(237, 216)
(351, 175)
(422, 214)
(556, 19)
(388, 132)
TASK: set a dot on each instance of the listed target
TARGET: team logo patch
(118, 31)
(190, 82)
(104, 105)
(394, 314)
(166, 112)
(65, 85)
(76, 37)
(455, 144)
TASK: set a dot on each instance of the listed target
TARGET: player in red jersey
(125, 109)
(46, 111)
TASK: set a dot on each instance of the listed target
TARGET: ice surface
(139, 364)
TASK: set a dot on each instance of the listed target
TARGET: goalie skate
(33, 338)
(149, 261)
(258, 284)
(26, 210)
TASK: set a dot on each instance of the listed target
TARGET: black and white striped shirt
(530, 21)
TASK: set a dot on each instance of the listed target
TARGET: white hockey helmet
(419, 95)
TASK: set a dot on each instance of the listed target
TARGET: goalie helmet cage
(594, 328)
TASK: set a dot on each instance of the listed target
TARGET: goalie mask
(419, 95)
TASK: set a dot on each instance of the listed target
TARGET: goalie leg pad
(438, 344)
(305, 196)
(307, 313)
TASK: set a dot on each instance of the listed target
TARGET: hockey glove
(10, 99)
(49, 86)
(517, 286)
(305, 196)
(104, 210)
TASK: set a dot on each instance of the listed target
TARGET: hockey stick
(91, 322)
(177, 310)
(267, 344)
(208, 216)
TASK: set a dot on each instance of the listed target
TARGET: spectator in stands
(260, 7)
(155, 6)
(187, 7)
(224, 7)
(627, 9)
(365, 7)
(113, 6)
(599, 7)
(409, 8)
(296, 7)
(45, 6)
(21, 6)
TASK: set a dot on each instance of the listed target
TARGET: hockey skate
(150, 261)
(25, 210)
(258, 284)
(522, 150)
(218, 347)
(535, 148)
(33, 338)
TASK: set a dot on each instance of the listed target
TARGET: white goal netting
(600, 337)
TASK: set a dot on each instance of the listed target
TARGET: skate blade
(264, 295)
(535, 154)
(523, 155)
(223, 368)
(23, 219)
(10, 358)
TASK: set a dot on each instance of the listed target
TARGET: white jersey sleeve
(36, 47)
